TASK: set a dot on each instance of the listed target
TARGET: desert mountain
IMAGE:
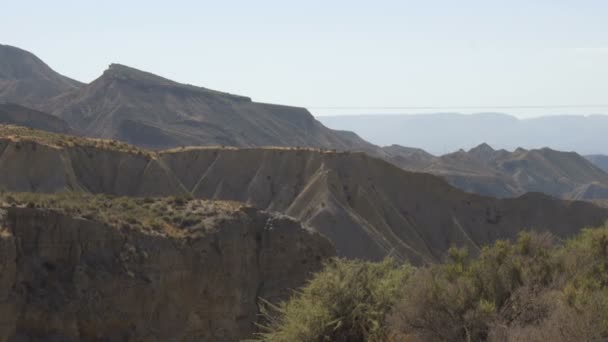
(501, 173)
(150, 111)
(78, 267)
(13, 114)
(599, 160)
(147, 110)
(367, 207)
(447, 132)
(26, 80)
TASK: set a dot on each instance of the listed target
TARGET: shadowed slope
(14, 114)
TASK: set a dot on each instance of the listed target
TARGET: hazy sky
(337, 53)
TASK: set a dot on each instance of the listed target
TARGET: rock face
(501, 173)
(367, 207)
(66, 278)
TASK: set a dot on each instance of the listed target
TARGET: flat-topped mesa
(171, 269)
(120, 72)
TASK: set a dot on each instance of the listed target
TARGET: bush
(347, 301)
(532, 289)
(462, 299)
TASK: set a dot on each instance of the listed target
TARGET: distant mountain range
(501, 173)
(448, 132)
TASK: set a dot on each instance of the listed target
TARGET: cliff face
(367, 207)
(70, 278)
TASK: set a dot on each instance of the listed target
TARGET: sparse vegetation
(347, 302)
(174, 216)
(534, 289)
(26, 134)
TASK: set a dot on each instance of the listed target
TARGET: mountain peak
(483, 147)
(482, 151)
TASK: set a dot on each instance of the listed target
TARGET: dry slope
(368, 207)
(27, 80)
(91, 268)
(14, 114)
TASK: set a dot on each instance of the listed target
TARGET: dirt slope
(368, 207)
(74, 269)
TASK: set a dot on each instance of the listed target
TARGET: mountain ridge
(501, 173)
(151, 111)
(442, 133)
(368, 207)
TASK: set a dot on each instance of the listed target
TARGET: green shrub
(532, 289)
(347, 301)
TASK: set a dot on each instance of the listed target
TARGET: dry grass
(169, 216)
(26, 134)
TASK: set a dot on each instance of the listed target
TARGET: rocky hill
(150, 111)
(367, 207)
(13, 114)
(78, 267)
(27, 80)
(501, 173)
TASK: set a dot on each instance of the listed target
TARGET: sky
(527, 58)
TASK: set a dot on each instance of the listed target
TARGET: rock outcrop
(71, 275)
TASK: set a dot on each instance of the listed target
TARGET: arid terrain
(137, 208)
(367, 207)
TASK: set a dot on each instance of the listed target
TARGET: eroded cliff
(95, 268)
